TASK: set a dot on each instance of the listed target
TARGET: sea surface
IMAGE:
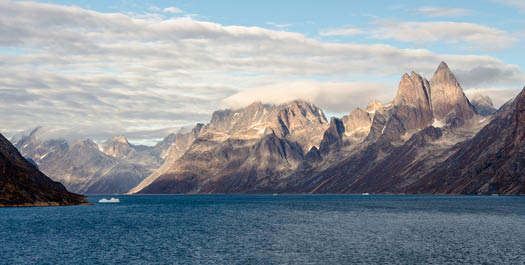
(268, 229)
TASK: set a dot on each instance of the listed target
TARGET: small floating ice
(112, 200)
(365, 193)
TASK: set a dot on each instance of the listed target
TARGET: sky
(96, 69)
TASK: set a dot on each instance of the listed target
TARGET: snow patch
(372, 111)
(482, 120)
(437, 123)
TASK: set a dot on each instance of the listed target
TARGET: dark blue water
(266, 229)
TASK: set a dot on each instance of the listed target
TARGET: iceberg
(112, 200)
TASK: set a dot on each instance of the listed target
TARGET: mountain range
(430, 139)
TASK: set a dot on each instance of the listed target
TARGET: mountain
(244, 150)
(357, 123)
(448, 100)
(22, 184)
(178, 145)
(117, 147)
(411, 108)
(492, 162)
(86, 167)
(483, 105)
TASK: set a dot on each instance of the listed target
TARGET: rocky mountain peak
(411, 109)
(88, 143)
(413, 90)
(373, 106)
(448, 97)
(117, 147)
(298, 120)
(357, 123)
(333, 137)
(483, 104)
(119, 139)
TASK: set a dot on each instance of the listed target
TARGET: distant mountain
(173, 147)
(22, 184)
(86, 167)
(483, 105)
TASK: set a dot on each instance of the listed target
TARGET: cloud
(104, 74)
(520, 4)
(172, 10)
(344, 31)
(432, 11)
(277, 25)
(335, 97)
(469, 35)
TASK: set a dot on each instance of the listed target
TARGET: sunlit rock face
(357, 123)
(298, 121)
(245, 149)
(175, 145)
(410, 111)
(448, 99)
(117, 147)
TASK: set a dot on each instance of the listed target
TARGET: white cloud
(469, 35)
(433, 11)
(347, 30)
(172, 10)
(338, 97)
(520, 4)
(278, 25)
(105, 74)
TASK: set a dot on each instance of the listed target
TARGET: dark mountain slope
(22, 184)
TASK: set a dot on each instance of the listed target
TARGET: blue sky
(146, 68)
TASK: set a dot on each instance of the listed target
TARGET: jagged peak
(479, 98)
(87, 142)
(118, 139)
(414, 75)
(412, 90)
(373, 106)
(443, 67)
(443, 73)
(357, 111)
(447, 95)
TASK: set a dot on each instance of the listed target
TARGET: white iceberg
(112, 200)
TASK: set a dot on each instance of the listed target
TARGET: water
(266, 229)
